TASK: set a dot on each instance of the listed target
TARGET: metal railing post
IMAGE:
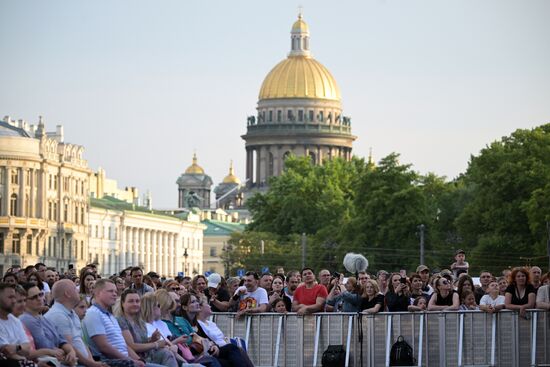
(493, 338)
(348, 341)
(442, 339)
(534, 338)
(420, 339)
(317, 336)
(460, 338)
(278, 342)
(388, 339)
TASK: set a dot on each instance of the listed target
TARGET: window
(65, 211)
(55, 182)
(311, 116)
(76, 214)
(50, 181)
(270, 118)
(50, 210)
(213, 252)
(1, 205)
(82, 250)
(54, 211)
(29, 244)
(49, 246)
(62, 248)
(13, 205)
(269, 164)
(300, 115)
(15, 177)
(82, 215)
(54, 246)
(16, 243)
(279, 115)
(1, 243)
(289, 115)
(37, 247)
(321, 117)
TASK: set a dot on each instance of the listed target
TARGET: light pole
(421, 228)
(185, 255)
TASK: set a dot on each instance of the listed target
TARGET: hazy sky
(142, 84)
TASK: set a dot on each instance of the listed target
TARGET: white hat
(213, 280)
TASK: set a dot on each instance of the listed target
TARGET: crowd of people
(137, 319)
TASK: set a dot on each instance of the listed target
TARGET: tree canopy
(497, 211)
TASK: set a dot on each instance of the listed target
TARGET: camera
(403, 280)
(335, 274)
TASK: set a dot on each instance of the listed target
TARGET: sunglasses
(175, 289)
(36, 296)
(444, 282)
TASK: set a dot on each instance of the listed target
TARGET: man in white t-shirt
(251, 298)
(14, 343)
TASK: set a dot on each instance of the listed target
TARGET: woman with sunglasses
(152, 349)
(444, 298)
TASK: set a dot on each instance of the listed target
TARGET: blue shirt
(43, 331)
(99, 321)
(66, 322)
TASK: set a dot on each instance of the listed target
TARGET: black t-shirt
(377, 300)
(515, 294)
(223, 296)
(444, 301)
(396, 303)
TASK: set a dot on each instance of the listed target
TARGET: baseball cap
(214, 280)
(460, 251)
(422, 268)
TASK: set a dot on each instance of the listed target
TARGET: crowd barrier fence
(462, 338)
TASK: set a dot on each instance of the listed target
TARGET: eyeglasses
(175, 289)
(36, 296)
(444, 282)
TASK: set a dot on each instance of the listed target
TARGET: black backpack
(334, 356)
(401, 353)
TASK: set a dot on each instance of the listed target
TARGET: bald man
(67, 322)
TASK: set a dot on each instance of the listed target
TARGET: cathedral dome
(194, 168)
(299, 75)
(231, 178)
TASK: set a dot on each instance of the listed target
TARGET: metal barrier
(465, 338)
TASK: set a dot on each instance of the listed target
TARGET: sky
(144, 84)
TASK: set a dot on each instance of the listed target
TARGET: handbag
(334, 356)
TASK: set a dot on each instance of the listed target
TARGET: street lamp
(185, 255)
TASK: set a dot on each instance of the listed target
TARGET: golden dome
(299, 77)
(194, 168)
(300, 25)
(231, 178)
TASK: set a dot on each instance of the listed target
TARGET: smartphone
(71, 266)
(403, 280)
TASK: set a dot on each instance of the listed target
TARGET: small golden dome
(231, 178)
(194, 168)
(300, 25)
(299, 77)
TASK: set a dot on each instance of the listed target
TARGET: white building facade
(123, 235)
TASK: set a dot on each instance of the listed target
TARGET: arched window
(13, 205)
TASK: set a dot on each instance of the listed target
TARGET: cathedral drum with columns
(299, 113)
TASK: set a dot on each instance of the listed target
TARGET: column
(123, 250)
(249, 166)
(135, 249)
(158, 247)
(258, 165)
(141, 246)
(147, 239)
(166, 254)
(174, 254)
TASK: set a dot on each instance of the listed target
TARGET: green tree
(508, 182)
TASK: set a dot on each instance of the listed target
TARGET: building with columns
(124, 234)
(299, 112)
(44, 188)
(194, 187)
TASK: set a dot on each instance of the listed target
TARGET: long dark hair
(185, 301)
(83, 288)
